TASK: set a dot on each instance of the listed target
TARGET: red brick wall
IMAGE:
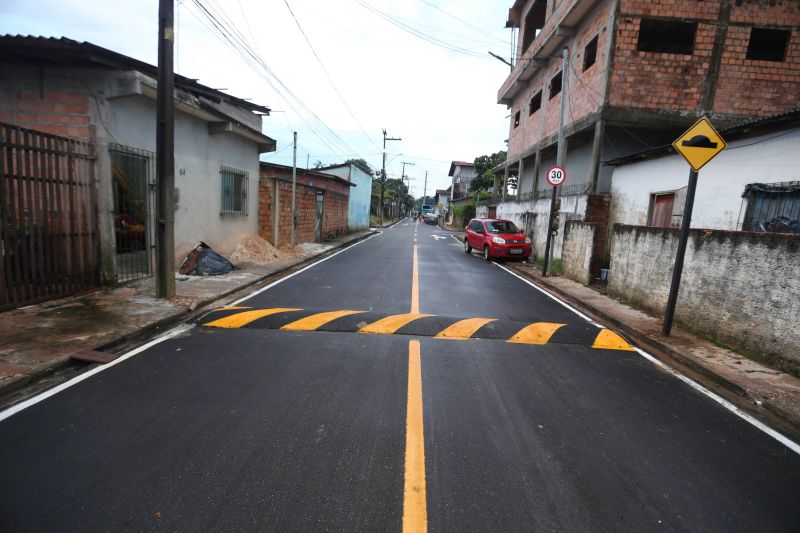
(59, 113)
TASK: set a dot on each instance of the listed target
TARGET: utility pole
(308, 156)
(403, 173)
(165, 154)
(383, 170)
(424, 190)
(562, 152)
(294, 182)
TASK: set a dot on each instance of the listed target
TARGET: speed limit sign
(556, 176)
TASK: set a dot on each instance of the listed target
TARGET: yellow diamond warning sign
(699, 144)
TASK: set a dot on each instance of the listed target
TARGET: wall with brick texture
(576, 254)
(741, 289)
(58, 112)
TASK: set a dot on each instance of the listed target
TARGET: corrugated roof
(55, 51)
(309, 172)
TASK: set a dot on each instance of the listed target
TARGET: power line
(464, 22)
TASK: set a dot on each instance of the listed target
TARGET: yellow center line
(414, 284)
(463, 329)
(310, 323)
(242, 319)
(415, 511)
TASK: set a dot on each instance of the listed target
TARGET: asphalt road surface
(399, 385)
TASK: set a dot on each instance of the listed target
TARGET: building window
(773, 207)
(661, 207)
(555, 84)
(534, 22)
(590, 53)
(666, 36)
(768, 44)
(234, 191)
(536, 103)
(516, 119)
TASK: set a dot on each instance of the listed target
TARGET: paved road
(240, 425)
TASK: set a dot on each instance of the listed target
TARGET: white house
(752, 185)
(82, 91)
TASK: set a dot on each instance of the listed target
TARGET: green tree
(483, 182)
(484, 166)
(363, 165)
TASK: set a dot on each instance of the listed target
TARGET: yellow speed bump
(608, 340)
(392, 323)
(310, 323)
(242, 319)
(536, 333)
(463, 329)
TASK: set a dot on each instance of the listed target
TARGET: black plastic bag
(204, 261)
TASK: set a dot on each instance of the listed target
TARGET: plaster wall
(576, 255)
(741, 289)
(532, 215)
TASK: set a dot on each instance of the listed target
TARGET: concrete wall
(718, 200)
(576, 254)
(198, 161)
(360, 195)
(739, 288)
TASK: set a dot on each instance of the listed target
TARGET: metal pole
(383, 177)
(425, 190)
(560, 156)
(294, 182)
(165, 154)
(678, 268)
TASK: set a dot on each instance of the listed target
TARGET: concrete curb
(13, 385)
(765, 409)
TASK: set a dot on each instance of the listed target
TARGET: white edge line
(14, 409)
(783, 439)
(77, 379)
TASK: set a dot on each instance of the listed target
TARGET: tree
(483, 182)
(318, 164)
(484, 166)
(363, 165)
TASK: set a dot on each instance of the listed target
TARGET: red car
(496, 239)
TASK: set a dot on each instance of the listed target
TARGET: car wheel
(467, 247)
(486, 254)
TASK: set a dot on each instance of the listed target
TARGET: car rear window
(501, 227)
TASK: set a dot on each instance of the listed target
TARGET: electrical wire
(464, 22)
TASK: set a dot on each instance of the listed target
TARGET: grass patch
(555, 265)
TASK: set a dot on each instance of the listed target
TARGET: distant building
(360, 196)
(441, 200)
(462, 173)
(640, 72)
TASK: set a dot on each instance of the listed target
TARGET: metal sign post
(555, 177)
(698, 145)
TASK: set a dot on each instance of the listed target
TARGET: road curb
(38, 373)
(765, 409)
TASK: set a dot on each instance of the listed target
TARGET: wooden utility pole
(383, 170)
(165, 154)
(294, 182)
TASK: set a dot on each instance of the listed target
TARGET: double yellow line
(415, 508)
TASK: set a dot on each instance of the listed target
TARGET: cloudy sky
(338, 74)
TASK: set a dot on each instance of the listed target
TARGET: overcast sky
(396, 74)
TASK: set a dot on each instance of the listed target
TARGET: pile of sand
(253, 249)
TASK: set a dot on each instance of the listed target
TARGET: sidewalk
(760, 390)
(37, 340)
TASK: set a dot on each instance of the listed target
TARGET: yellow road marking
(536, 333)
(242, 319)
(392, 323)
(608, 340)
(415, 511)
(463, 329)
(310, 323)
(231, 308)
(415, 283)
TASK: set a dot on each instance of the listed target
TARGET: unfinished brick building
(321, 202)
(639, 73)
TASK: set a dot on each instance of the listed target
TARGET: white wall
(198, 159)
(718, 201)
(522, 214)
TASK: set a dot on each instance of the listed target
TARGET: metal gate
(319, 211)
(133, 179)
(49, 246)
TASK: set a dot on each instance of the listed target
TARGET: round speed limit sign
(556, 176)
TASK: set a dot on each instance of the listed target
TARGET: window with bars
(234, 191)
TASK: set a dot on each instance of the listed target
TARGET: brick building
(639, 72)
(321, 202)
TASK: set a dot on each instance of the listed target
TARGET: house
(360, 196)
(321, 203)
(752, 185)
(638, 73)
(462, 173)
(441, 201)
(80, 94)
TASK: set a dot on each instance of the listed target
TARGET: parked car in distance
(431, 218)
(496, 238)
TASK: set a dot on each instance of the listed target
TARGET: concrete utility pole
(403, 173)
(425, 189)
(294, 182)
(165, 154)
(560, 157)
(383, 170)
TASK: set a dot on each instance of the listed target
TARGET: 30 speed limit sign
(556, 176)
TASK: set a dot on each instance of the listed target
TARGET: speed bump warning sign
(699, 144)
